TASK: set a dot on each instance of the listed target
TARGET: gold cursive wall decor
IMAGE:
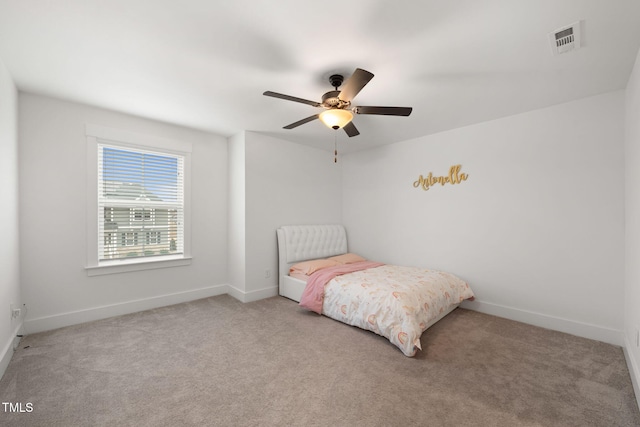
(454, 177)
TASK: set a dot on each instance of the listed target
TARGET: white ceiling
(205, 64)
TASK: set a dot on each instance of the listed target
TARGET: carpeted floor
(217, 361)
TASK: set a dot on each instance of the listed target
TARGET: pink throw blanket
(313, 294)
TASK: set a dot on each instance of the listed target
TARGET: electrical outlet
(267, 273)
(15, 311)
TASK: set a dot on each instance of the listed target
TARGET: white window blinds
(140, 203)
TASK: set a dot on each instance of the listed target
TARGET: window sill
(114, 267)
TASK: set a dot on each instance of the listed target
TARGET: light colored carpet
(217, 361)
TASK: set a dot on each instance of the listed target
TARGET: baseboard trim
(634, 369)
(253, 295)
(585, 330)
(7, 351)
(81, 316)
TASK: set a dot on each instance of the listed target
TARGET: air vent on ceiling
(565, 39)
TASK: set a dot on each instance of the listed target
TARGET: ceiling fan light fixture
(336, 118)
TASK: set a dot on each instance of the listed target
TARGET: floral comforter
(393, 301)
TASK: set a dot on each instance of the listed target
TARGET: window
(147, 215)
(153, 238)
(128, 239)
(140, 200)
(149, 186)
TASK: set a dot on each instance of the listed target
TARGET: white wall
(632, 232)
(52, 170)
(237, 196)
(285, 183)
(537, 229)
(9, 249)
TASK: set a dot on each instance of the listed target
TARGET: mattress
(396, 302)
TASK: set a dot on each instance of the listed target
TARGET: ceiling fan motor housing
(331, 100)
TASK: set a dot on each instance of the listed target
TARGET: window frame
(125, 139)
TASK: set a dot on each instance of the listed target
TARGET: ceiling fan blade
(384, 111)
(351, 129)
(291, 98)
(301, 122)
(354, 84)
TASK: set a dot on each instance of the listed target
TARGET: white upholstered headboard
(302, 242)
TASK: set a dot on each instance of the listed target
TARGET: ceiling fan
(338, 111)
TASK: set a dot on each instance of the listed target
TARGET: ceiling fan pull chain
(335, 146)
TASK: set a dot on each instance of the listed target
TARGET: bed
(396, 302)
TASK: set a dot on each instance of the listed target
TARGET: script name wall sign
(454, 177)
